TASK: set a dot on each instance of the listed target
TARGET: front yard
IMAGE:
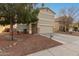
(24, 44)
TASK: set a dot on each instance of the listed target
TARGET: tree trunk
(11, 30)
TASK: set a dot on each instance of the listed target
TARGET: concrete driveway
(70, 46)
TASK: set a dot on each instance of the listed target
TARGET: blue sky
(57, 6)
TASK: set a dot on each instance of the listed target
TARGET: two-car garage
(44, 29)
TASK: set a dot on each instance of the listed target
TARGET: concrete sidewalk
(70, 47)
(63, 50)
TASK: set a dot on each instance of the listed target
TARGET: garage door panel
(45, 29)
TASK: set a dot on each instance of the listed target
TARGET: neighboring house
(59, 26)
(45, 24)
(64, 23)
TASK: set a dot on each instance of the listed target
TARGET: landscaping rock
(0, 50)
(14, 43)
(10, 45)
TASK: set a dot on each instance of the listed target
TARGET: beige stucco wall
(46, 17)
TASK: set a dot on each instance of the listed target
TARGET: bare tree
(68, 16)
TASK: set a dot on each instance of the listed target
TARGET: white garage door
(45, 29)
